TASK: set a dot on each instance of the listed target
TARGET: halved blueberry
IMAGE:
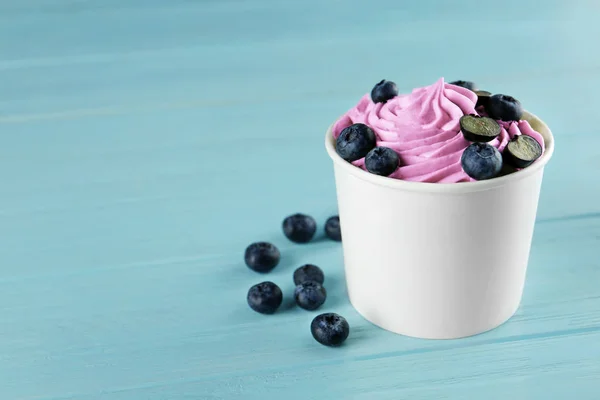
(308, 273)
(332, 228)
(466, 84)
(507, 169)
(330, 329)
(265, 297)
(483, 98)
(521, 151)
(262, 256)
(481, 161)
(310, 295)
(505, 108)
(383, 91)
(355, 141)
(299, 228)
(479, 129)
(382, 161)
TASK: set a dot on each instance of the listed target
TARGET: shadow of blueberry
(334, 282)
(357, 334)
(335, 300)
(318, 238)
(288, 302)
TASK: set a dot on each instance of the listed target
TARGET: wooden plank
(144, 144)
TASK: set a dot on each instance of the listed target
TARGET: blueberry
(355, 141)
(483, 98)
(332, 228)
(479, 129)
(265, 297)
(310, 295)
(481, 161)
(382, 161)
(521, 151)
(505, 108)
(299, 228)
(466, 84)
(383, 91)
(308, 273)
(507, 169)
(262, 256)
(330, 329)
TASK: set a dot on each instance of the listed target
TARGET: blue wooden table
(145, 143)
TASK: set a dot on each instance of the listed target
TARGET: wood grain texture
(145, 143)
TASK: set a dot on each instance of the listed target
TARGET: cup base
(413, 333)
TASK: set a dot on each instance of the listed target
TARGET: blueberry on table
(332, 228)
(310, 295)
(382, 161)
(481, 161)
(308, 273)
(483, 97)
(521, 151)
(505, 108)
(330, 329)
(355, 141)
(299, 228)
(479, 129)
(265, 297)
(466, 84)
(262, 256)
(383, 91)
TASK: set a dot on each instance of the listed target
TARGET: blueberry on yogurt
(383, 91)
(355, 141)
(465, 84)
(382, 161)
(521, 151)
(505, 108)
(483, 98)
(479, 129)
(481, 161)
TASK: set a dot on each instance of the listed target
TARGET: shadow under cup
(434, 260)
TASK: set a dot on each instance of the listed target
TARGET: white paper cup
(433, 260)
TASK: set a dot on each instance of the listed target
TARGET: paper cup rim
(449, 188)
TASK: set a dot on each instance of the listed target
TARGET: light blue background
(145, 143)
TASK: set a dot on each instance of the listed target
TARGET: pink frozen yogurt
(423, 128)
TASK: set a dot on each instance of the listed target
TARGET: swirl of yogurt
(423, 128)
